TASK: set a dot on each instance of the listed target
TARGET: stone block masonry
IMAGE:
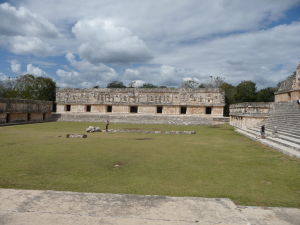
(162, 101)
(14, 111)
(249, 114)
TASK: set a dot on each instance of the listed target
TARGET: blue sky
(87, 43)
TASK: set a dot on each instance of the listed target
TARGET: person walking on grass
(262, 131)
(106, 126)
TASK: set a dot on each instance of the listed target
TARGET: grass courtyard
(215, 162)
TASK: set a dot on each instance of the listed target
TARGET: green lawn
(216, 162)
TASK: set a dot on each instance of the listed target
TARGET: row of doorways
(9, 117)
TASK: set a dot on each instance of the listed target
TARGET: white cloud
(24, 32)
(85, 74)
(3, 77)
(188, 38)
(104, 41)
(29, 45)
(169, 20)
(136, 83)
(15, 66)
(264, 56)
(34, 70)
(23, 22)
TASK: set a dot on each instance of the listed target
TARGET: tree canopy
(245, 91)
(29, 87)
(266, 94)
(116, 84)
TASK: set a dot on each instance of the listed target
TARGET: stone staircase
(282, 128)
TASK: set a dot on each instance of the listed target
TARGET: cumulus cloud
(29, 45)
(160, 42)
(168, 19)
(85, 73)
(265, 56)
(15, 66)
(160, 74)
(104, 41)
(24, 22)
(136, 83)
(3, 77)
(22, 31)
(34, 70)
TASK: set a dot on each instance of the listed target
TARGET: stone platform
(141, 118)
(24, 207)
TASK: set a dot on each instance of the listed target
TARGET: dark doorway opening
(7, 117)
(109, 108)
(88, 108)
(159, 109)
(208, 110)
(133, 109)
(44, 116)
(28, 116)
(54, 107)
(68, 108)
(183, 110)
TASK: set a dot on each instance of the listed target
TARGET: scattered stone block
(92, 129)
(76, 136)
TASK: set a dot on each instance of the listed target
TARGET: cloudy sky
(86, 43)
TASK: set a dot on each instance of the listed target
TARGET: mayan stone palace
(158, 105)
(141, 101)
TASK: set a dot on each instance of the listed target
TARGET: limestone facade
(249, 114)
(289, 89)
(19, 110)
(161, 101)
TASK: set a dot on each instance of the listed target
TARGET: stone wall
(249, 114)
(289, 89)
(20, 111)
(141, 118)
(146, 100)
(287, 96)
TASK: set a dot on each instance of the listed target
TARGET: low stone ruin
(152, 131)
(92, 129)
(76, 136)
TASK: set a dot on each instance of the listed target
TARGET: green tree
(266, 94)
(116, 84)
(37, 88)
(230, 92)
(148, 85)
(30, 87)
(245, 92)
(190, 83)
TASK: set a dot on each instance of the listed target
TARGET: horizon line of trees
(43, 88)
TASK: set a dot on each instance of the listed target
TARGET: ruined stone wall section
(249, 114)
(23, 111)
(141, 96)
(24, 106)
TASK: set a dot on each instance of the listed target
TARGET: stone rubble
(92, 129)
(76, 136)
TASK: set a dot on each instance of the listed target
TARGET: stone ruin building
(14, 111)
(289, 89)
(141, 105)
(280, 118)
